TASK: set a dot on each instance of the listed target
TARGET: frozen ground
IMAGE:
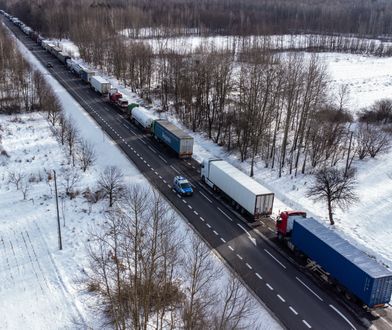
(39, 285)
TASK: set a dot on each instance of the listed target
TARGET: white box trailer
(245, 192)
(100, 84)
(143, 118)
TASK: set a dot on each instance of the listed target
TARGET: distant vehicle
(182, 186)
(49, 65)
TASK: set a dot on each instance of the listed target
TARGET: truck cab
(205, 171)
(285, 221)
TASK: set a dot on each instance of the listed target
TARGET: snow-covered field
(40, 286)
(367, 224)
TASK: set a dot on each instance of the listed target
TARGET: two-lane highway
(297, 302)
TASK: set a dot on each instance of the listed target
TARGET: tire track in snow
(32, 263)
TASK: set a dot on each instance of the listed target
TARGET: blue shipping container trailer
(173, 137)
(360, 274)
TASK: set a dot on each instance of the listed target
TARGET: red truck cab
(285, 220)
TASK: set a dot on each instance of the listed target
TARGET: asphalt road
(295, 300)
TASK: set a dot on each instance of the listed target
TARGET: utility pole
(348, 155)
(58, 214)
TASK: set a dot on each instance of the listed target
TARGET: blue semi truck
(175, 138)
(359, 274)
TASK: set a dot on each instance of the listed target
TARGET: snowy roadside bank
(107, 154)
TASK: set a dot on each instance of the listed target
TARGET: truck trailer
(346, 265)
(142, 117)
(175, 138)
(246, 194)
(100, 84)
(63, 57)
(86, 74)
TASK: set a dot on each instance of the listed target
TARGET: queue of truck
(343, 264)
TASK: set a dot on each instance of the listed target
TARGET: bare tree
(236, 306)
(336, 188)
(71, 139)
(16, 177)
(71, 177)
(201, 272)
(111, 182)
(86, 154)
(371, 140)
(25, 186)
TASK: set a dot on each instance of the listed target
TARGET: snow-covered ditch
(40, 285)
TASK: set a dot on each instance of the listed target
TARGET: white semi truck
(100, 85)
(246, 194)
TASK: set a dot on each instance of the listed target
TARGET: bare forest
(268, 106)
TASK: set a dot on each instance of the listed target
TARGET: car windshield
(185, 185)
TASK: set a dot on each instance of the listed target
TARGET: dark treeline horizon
(232, 17)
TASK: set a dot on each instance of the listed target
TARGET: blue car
(182, 186)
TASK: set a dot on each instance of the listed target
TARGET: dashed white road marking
(269, 286)
(215, 232)
(239, 257)
(307, 324)
(205, 197)
(175, 169)
(190, 206)
(223, 240)
(249, 266)
(208, 225)
(184, 201)
(195, 213)
(162, 158)
(231, 248)
(201, 218)
(152, 150)
(259, 276)
(281, 298)
(321, 299)
(293, 310)
(273, 257)
(225, 214)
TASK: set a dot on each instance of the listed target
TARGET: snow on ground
(369, 78)
(38, 283)
(366, 224)
(155, 38)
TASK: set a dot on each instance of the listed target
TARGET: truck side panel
(247, 192)
(352, 268)
(175, 138)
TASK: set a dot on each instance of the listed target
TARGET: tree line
(233, 17)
